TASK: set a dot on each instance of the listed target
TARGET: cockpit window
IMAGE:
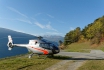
(45, 45)
(36, 42)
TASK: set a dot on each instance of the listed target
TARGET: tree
(72, 36)
(93, 32)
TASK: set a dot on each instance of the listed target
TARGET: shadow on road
(86, 59)
(77, 58)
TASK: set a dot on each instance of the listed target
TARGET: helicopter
(39, 46)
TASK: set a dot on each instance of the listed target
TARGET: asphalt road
(77, 59)
(94, 54)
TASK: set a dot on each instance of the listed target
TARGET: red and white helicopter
(36, 47)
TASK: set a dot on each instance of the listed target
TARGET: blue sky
(49, 17)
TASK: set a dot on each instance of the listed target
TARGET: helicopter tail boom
(10, 42)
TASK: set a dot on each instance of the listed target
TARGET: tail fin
(10, 43)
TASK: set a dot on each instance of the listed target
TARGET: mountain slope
(93, 32)
(55, 38)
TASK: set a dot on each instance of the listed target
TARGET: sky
(49, 17)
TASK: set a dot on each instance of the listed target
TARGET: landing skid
(45, 56)
(31, 55)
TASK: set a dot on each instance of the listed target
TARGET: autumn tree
(93, 32)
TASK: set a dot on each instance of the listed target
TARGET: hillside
(54, 38)
(93, 32)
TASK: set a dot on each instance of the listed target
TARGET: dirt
(67, 65)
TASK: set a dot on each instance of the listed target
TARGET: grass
(78, 47)
(100, 47)
(93, 65)
(83, 47)
(24, 63)
(86, 47)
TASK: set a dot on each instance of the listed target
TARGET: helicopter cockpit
(45, 45)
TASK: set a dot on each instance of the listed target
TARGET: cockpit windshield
(45, 45)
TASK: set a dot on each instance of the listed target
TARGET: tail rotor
(10, 43)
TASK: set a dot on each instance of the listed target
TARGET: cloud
(50, 16)
(17, 12)
(27, 21)
(48, 26)
(22, 20)
(24, 32)
(39, 25)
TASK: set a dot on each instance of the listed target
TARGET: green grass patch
(83, 47)
(93, 65)
(24, 63)
(78, 47)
